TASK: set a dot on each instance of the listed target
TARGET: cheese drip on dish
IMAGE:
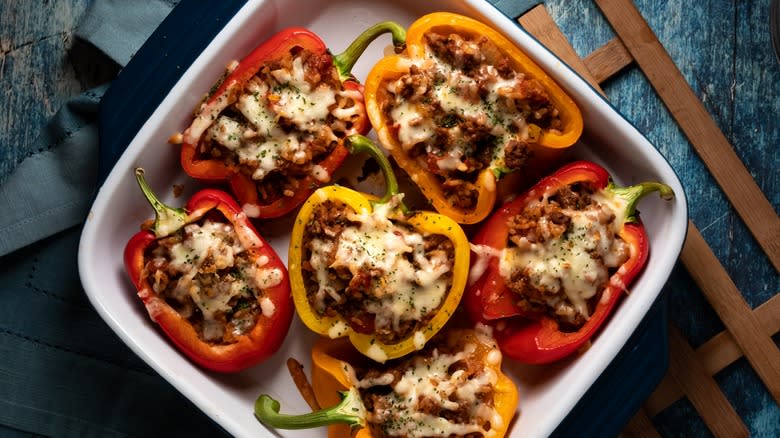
(206, 274)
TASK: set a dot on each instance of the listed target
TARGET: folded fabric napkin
(51, 190)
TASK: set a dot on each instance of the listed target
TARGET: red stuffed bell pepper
(210, 281)
(274, 126)
(552, 264)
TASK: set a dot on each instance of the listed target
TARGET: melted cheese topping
(577, 262)
(216, 243)
(413, 285)
(414, 127)
(430, 380)
(258, 140)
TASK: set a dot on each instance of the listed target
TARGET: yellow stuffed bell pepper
(371, 270)
(461, 107)
(424, 394)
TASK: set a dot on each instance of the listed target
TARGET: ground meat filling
(379, 275)
(286, 119)
(444, 390)
(562, 251)
(205, 274)
(466, 108)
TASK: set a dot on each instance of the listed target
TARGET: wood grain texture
(691, 115)
(716, 354)
(703, 392)
(723, 50)
(608, 60)
(35, 74)
(725, 298)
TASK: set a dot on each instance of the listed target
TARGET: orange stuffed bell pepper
(463, 106)
(369, 269)
(454, 387)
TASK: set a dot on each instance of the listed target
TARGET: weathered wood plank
(716, 151)
(608, 60)
(727, 301)
(36, 75)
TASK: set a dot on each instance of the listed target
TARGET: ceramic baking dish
(547, 394)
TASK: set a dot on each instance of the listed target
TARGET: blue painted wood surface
(722, 47)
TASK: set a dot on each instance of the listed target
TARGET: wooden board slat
(714, 355)
(728, 303)
(540, 24)
(702, 390)
(608, 59)
(701, 130)
(640, 426)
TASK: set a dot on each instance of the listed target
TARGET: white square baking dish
(547, 394)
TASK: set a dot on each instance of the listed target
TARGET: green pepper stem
(632, 195)
(167, 219)
(350, 411)
(346, 60)
(359, 143)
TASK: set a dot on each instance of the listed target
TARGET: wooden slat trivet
(641, 427)
(686, 108)
(728, 303)
(703, 392)
(722, 349)
(714, 355)
(728, 170)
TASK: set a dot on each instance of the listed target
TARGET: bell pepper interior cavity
(464, 108)
(204, 273)
(454, 387)
(562, 251)
(274, 126)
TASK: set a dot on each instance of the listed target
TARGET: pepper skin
(537, 338)
(545, 150)
(421, 221)
(332, 367)
(226, 92)
(269, 331)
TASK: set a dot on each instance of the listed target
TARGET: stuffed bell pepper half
(372, 270)
(453, 387)
(461, 107)
(550, 266)
(274, 126)
(210, 281)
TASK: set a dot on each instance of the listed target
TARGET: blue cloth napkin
(64, 372)
(51, 191)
